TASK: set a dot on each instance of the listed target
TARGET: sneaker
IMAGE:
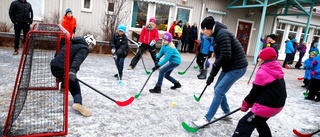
(156, 89)
(83, 110)
(176, 85)
(16, 52)
(130, 68)
(225, 118)
(115, 75)
(200, 122)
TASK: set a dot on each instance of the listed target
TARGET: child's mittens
(245, 106)
(314, 62)
(152, 43)
(313, 73)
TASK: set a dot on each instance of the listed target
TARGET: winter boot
(115, 75)
(156, 89)
(203, 75)
(83, 110)
(200, 73)
(176, 85)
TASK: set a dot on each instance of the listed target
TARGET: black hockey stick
(184, 72)
(195, 129)
(138, 95)
(119, 103)
(198, 98)
(252, 72)
(144, 66)
(305, 135)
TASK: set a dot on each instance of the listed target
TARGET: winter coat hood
(79, 40)
(217, 27)
(268, 72)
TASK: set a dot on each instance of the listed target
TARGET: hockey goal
(38, 108)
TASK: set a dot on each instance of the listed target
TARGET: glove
(157, 61)
(113, 51)
(314, 62)
(155, 67)
(245, 106)
(114, 57)
(313, 73)
(152, 43)
(72, 76)
(210, 80)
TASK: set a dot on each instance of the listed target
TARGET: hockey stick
(307, 92)
(119, 80)
(138, 95)
(305, 135)
(255, 66)
(195, 67)
(184, 72)
(198, 98)
(300, 78)
(144, 66)
(119, 103)
(195, 129)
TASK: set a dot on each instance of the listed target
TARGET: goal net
(38, 107)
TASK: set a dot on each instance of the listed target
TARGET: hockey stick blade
(296, 132)
(120, 83)
(147, 72)
(138, 95)
(195, 67)
(300, 78)
(188, 128)
(125, 103)
(198, 98)
(182, 72)
(195, 129)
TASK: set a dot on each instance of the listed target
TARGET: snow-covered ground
(153, 114)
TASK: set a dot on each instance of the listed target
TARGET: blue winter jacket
(170, 53)
(289, 47)
(308, 66)
(314, 48)
(206, 44)
(317, 68)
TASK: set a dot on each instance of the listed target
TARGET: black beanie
(180, 21)
(208, 23)
(272, 36)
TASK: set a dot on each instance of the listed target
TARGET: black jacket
(21, 12)
(194, 33)
(79, 50)
(229, 52)
(186, 34)
(120, 44)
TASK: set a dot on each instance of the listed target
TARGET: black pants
(314, 89)
(17, 31)
(74, 86)
(142, 49)
(201, 60)
(191, 46)
(249, 122)
(287, 59)
(298, 64)
(306, 82)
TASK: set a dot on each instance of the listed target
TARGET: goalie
(79, 50)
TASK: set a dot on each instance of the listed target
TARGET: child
(79, 50)
(172, 55)
(314, 48)
(308, 67)
(69, 22)
(205, 52)
(120, 48)
(314, 87)
(267, 96)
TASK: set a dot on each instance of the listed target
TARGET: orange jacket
(69, 24)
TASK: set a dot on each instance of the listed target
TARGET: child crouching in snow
(172, 55)
(314, 87)
(267, 96)
(308, 67)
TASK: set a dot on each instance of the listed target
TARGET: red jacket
(171, 30)
(69, 24)
(146, 36)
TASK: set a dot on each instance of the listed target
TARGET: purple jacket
(302, 48)
(268, 94)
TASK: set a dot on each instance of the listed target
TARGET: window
(183, 14)
(38, 9)
(162, 16)
(281, 26)
(139, 14)
(294, 28)
(111, 7)
(86, 5)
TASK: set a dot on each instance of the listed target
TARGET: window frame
(83, 9)
(107, 8)
(190, 13)
(35, 17)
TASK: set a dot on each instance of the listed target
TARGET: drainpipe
(60, 10)
(201, 17)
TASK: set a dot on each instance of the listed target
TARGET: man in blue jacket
(21, 16)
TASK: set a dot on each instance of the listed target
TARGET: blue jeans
(224, 83)
(120, 62)
(165, 71)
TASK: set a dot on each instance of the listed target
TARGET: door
(243, 34)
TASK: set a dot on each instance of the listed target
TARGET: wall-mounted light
(250, 13)
(184, 1)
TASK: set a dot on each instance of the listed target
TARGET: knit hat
(122, 28)
(315, 53)
(268, 54)
(208, 23)
(68, 10)
(180, 21)
(153, 19)
(167, 36)
(272, 36)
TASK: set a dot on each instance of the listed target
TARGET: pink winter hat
(153, 19)
(268, 54)
(167, 36)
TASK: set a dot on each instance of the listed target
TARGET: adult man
(21, 16)
(230, 57)
(79, 50)
(271, 42)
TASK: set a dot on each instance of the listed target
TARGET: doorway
(244, 33)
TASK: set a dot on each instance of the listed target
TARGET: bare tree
(113, 17)
(54, 18)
